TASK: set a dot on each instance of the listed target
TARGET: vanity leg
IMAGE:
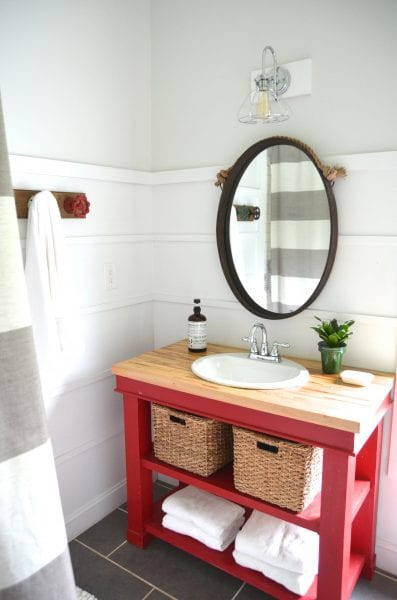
(139, 480)
(364, 525)
(335, 525)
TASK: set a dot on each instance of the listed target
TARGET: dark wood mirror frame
(230, 184)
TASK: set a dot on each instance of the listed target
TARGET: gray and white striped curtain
(34, 557)
(299, 230)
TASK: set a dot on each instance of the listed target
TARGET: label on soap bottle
(197, 335)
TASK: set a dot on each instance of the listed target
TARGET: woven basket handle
(176, 419)
(267, 447)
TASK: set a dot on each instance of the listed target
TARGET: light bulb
(262, 104)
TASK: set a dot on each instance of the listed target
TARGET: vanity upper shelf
(324, 400)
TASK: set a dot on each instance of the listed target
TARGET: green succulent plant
(333, 334)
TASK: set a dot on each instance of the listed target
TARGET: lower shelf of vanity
(225, 561)
(221, 483)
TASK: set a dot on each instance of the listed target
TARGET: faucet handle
(276, 345)
(251, 340)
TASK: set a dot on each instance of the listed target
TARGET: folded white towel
(209, 513)
(279, 543)
(187, 528)
(299, 583)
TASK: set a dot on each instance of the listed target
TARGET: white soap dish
(356, 377)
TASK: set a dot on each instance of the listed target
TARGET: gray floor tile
(156, 595)
(106, 535)
(160, 490)
(380, 588)
(177, 572)
(103, 579)
(250, 593)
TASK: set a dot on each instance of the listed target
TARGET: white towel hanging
(48, 291)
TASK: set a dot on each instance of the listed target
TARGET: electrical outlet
(109, 276)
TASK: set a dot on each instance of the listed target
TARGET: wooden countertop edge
(147, 368)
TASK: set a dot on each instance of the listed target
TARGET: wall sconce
(263, 104)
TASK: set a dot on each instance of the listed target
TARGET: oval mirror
(277, 228)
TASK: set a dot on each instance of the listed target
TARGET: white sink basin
(237, 370)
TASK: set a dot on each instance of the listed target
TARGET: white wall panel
(187, 267)
(366, 202)
(117, 208)
(111, 336)
(129, 257)
(92, 483)
(186, 207)
(364, 277)
(82, 416)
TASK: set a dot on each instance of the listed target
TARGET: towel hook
(77, 205)
(72, 205)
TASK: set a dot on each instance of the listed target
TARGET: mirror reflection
(280, 258)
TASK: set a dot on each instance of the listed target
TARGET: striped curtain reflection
(299, 228)
(34, 557)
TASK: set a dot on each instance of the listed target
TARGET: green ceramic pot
(331, 358)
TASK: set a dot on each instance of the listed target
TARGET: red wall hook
(77, 205)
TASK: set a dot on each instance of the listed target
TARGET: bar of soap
(356, 377)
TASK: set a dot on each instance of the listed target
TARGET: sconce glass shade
(263, 105)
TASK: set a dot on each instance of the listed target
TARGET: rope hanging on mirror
(330, 173)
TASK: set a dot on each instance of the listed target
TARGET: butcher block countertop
(324, 400)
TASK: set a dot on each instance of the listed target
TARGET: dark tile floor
(112, 569)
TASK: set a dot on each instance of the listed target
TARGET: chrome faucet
(263, 353)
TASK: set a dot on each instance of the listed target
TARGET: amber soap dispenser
(197, 329)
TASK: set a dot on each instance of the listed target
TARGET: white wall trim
(367, 240)
(60, 168)
(63, 457)
(235, 305)
(116, 304)
(92, 240)
(196, 175)
(344, 240)
(77, 384)
(386, 555)
(206, 238)
(94, 510)
(122, 238)
(373, 161)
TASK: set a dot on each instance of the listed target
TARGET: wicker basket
(193, 443)
(279, 471)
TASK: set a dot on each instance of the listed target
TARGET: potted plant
(333, 345)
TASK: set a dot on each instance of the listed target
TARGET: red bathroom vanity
(346, 421)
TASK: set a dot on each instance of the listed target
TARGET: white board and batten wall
(157, 230)
(115, 320)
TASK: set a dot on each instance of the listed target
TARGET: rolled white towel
(299, 583)
(279, 543)
(209, 513)
(188, 528)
